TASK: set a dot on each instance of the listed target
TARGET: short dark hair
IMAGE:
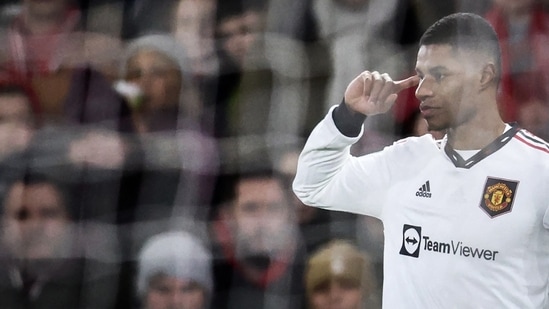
(467, 31)
(225, 191)
(233, 8)
(19, 170)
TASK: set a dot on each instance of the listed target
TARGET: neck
(478, 132)
(474, 137)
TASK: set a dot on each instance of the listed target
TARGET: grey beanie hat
(167, 45)
(163, 43)
(176, 254)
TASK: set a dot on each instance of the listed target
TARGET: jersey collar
(484, 152)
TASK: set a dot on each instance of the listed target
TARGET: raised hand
(373, 93)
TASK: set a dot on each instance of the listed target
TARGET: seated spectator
(245, 83)
(158, 65)
(17, 112)
(339, 276)
(45, 37)
(50, 258)
(174, 271)
(258, 259)
(47, 47)
(191, 23)
(179, 156)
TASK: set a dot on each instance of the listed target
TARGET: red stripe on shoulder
(535, 145)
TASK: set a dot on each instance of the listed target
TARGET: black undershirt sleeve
(347, 122)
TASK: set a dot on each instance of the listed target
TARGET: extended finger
(407, 83)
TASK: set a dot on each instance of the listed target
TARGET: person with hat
(339, 275)
(174, 271)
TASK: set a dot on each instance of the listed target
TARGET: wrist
(347, 121)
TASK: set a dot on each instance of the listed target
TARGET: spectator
(46, 37)
(338, 275)
(174, 271)
(50, 258)
(180, 158)
(258, 259)
(522, 27)
(192, 25)
(259, 82)
(46, 46)
(245, 83)
(17, 109)
(158, 65)
(191, 22)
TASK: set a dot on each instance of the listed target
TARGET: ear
(488, 75)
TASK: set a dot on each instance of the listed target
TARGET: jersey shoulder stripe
(531, 140)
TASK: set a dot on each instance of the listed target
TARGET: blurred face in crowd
(166, 292)
(45, 9)
(35, 221)
(194, 28)
(158, 76)
(16, 127)
(337, 294)
(262, 217)
(239, 34)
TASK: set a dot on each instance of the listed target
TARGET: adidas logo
(425, 190)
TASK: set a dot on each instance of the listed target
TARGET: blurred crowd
(147, 148)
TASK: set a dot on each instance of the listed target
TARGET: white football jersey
(458, 233)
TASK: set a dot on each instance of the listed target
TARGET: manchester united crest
(498, 196)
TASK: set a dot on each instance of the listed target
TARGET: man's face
(337, 294)
(35, 221)
(165, 292)
(261, 215)
(240, 33)
(448, 81)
